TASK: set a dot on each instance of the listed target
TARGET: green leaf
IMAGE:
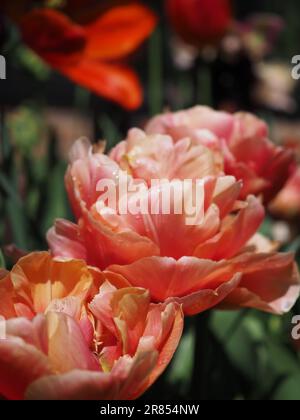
(289, 390)
(15, 213)
(155, 77)
(242, 344)
(255, 350)
(8, 187)
(282, 361)
(18, 223)
(56, 199)
(4, 143)
(2, 260)
(32, 63)
(110, 131)
(182, 367)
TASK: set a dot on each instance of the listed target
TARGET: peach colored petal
(234, 234)
(159, 322)
(7, 307)
(106, 245)
(166, 277)
(203, 300)
(3, 273)
(247, 125)
(33, 332)
(123, 312)
(137, 378)
(220, 123)
(169, 346)
(201, 284)
(67, 345)
(64, 240)
(128, 380)
(75, 385)
(101, 307)
(84, 174)
(38, 279)
(227, 191)
(70, 306)
(263, 166)
(20, 361)
(130, 309)
(270, 282)
(157, 157)
(160, 227)
(21, 358)
(244, 298)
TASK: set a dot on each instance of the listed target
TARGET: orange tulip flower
(67, 339)
(91, 53)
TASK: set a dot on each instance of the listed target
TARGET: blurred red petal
(119, 31)
(53, 35)
(114, 82)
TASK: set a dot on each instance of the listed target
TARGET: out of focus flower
(259, 34)
(287, 203)
(65, 341)
(200, 22)
(218, 260)
(26, 128)
(243, 139)
(275, 87)
(91, 53)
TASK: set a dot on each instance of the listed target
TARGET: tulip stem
(201, 365)
(155, 73)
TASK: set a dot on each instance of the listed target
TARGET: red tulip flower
(90, 54)
(200, 22)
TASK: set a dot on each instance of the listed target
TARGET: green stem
(199, 385)
(155, 93)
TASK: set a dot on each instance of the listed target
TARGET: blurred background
(153, 56)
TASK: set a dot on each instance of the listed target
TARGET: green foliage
(2, 260)
(257, 346)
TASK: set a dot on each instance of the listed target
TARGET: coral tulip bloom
(116, 352)
(243, 139)
(90, 53)
(200, 22)
(208, 263)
